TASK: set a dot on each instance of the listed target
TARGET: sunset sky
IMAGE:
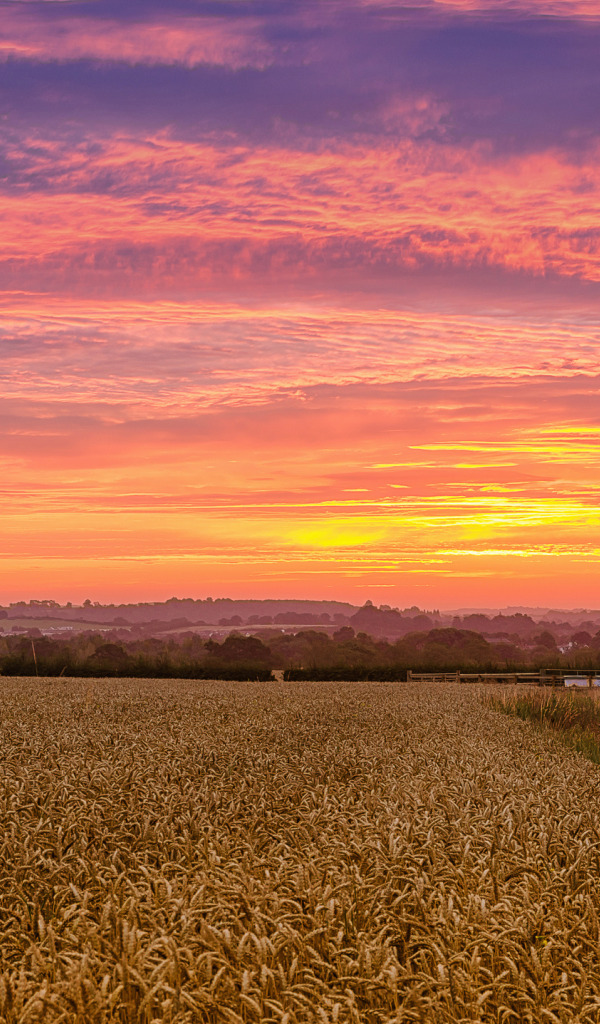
(301, 300)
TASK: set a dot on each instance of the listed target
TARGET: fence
(585, 680)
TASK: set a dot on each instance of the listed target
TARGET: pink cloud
(235, 43)
(156, 356)
(179, 216)
(582, 9)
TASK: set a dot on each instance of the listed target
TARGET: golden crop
(227, 852)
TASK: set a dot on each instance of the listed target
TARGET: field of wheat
(225, 852)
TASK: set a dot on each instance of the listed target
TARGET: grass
(193, 852)
(575, 717)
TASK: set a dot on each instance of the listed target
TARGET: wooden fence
(585, 680)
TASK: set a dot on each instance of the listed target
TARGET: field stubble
(215, 852)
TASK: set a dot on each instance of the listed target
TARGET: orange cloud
(263, 492)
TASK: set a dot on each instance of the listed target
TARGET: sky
(300, 299)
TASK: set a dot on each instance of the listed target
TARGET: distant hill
(228, 614)
(205, 611)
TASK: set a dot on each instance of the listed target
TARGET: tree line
(306, 654)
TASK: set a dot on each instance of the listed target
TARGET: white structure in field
(585, 681)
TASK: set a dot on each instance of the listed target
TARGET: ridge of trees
(305, 654)
(228, 613)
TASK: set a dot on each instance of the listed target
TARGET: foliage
(574, 716)
(306, 654)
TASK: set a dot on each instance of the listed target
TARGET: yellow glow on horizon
(340, 533)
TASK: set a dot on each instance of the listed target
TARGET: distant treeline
(383, 623)
(307, 654)
(183, 610)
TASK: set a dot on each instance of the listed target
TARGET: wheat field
(234, 852)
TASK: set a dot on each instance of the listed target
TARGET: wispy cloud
(28, 33)
(300, 296)
(155, 215)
